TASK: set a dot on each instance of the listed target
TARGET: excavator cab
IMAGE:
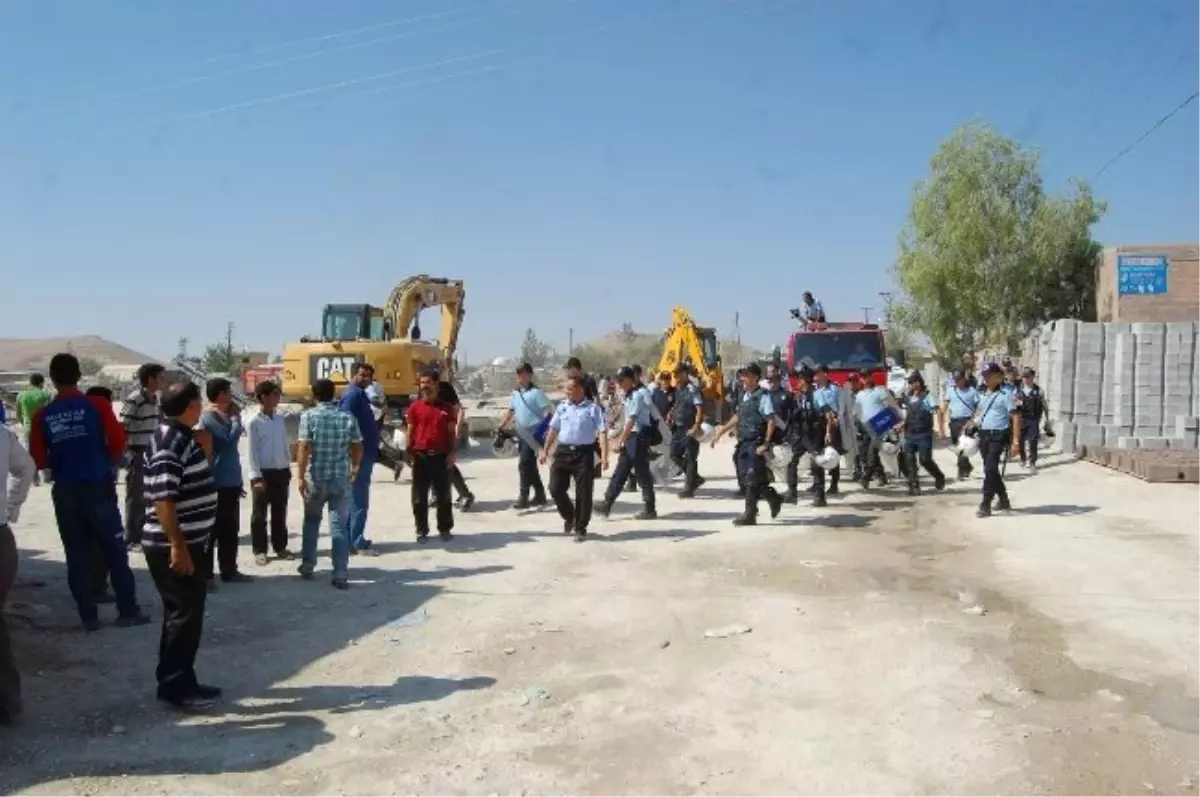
(708, 345)
(353, 322)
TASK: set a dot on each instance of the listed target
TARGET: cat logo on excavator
(337, 369)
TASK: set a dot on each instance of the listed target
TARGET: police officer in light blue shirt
(634, 445)
(685, 419)
(527, 406)
(997, 417)
(919, 412)
(755, 424)
(959, 407)
(827, 397)
(576, 426)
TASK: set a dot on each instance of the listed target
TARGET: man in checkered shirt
(328, 455)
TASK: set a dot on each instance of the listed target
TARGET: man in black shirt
(446, 394)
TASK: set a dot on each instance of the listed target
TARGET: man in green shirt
(29, 401)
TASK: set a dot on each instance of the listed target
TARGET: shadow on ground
(260, 723)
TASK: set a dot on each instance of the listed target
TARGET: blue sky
(579, 164)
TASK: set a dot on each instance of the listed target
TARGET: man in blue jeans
(328, 457)
(79, 439)
(356, 402)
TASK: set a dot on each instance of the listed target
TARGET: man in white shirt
(270, 462)
(14, 461)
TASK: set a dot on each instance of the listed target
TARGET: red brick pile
(1181, 466)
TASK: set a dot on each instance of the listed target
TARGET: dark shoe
(819, 501)
(445, 536)
(536, 502)
(687, 494)
(568, 527)
(776, 504)
(939, 483)
(188, 702)
(646, 514)
(581, 536)
(884, 480)
(521, 504)
(791, 497)
(237, 577)
(833, 490)
(699, 482)
(631, 487)
(468, 501)
(604, 510)
(983, 511)
(285, 555)
(1003, 505)
(340, 583)
(206, 691)
(739, 493)
(423, 538)
(91, 625)
(305, 572)
(745, 520)
(104, 597)
(914, 489)
(133, 620)
(865, 483)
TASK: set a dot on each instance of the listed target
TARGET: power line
(1191, 98)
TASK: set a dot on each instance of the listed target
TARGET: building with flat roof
(1148, 283)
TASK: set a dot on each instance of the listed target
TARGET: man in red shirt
(431, 438)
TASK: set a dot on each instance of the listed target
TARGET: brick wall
(1181, 303)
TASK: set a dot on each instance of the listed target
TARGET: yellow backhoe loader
(387, 337)
(697, 347)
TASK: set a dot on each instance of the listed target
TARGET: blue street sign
(1141, 274)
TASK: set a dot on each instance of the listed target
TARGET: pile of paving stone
(1179, 466)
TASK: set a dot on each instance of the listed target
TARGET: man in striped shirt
(181, 507)
(140, 416)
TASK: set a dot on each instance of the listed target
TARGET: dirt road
(895, 646)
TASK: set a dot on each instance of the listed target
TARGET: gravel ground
(880, 645)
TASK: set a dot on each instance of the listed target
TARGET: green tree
(534, 350)
(218, 359)
(986, 254)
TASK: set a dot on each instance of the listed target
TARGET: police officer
(634, 444)
(869, 402)
(1033, 408)
(631, 485)
(810, 430)
(919, 409)
(734, 397)
(575, 368)
(755, 424)
(576, 426)
(958, 408)
(686, 417)
(827, 396)
(996, 418)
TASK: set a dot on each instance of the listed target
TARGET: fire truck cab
(843, 347)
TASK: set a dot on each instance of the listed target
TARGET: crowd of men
(185, 482)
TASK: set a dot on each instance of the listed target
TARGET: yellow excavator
(697, 347)
(387, 337)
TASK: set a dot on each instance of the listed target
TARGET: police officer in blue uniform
(1033, 407)
(576, 426)
(755, 424)
(958, 408)
(631, 485)
(810, 430)
(919, 411)
(734, 397)
(827, 396)
(634, 445)
(686, 417)
(996, 418)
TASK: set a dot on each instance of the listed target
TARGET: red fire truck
(843, 347)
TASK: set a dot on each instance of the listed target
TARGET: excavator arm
(418, 293)
(683, 343)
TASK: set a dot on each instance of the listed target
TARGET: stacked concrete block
(1059, 376)
(1121, 379)
(1109, 365)
(1089, 372)
(1179, 353)
(1148, 377)
(1187, 432)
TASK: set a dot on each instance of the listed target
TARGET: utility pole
(887, 300)
(571, 341)
(737, 333)
(229, 347)
(866, 313)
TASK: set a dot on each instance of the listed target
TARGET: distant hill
(18, 354)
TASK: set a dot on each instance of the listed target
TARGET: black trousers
(868, 464)
(685, 453)
(458, 482)
(578, 464)
(992, 445)
(529, 475)
(10, 679)
(430, 472)
(273, 497)
(1030, 434)
(135, 500)
(956, 430)
(635, 459)
(798, 448)
(756, 476)
(223, 541)
(183, 619)
(918, 450)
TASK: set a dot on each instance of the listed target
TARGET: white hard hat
(968, 446)
(828, 459)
